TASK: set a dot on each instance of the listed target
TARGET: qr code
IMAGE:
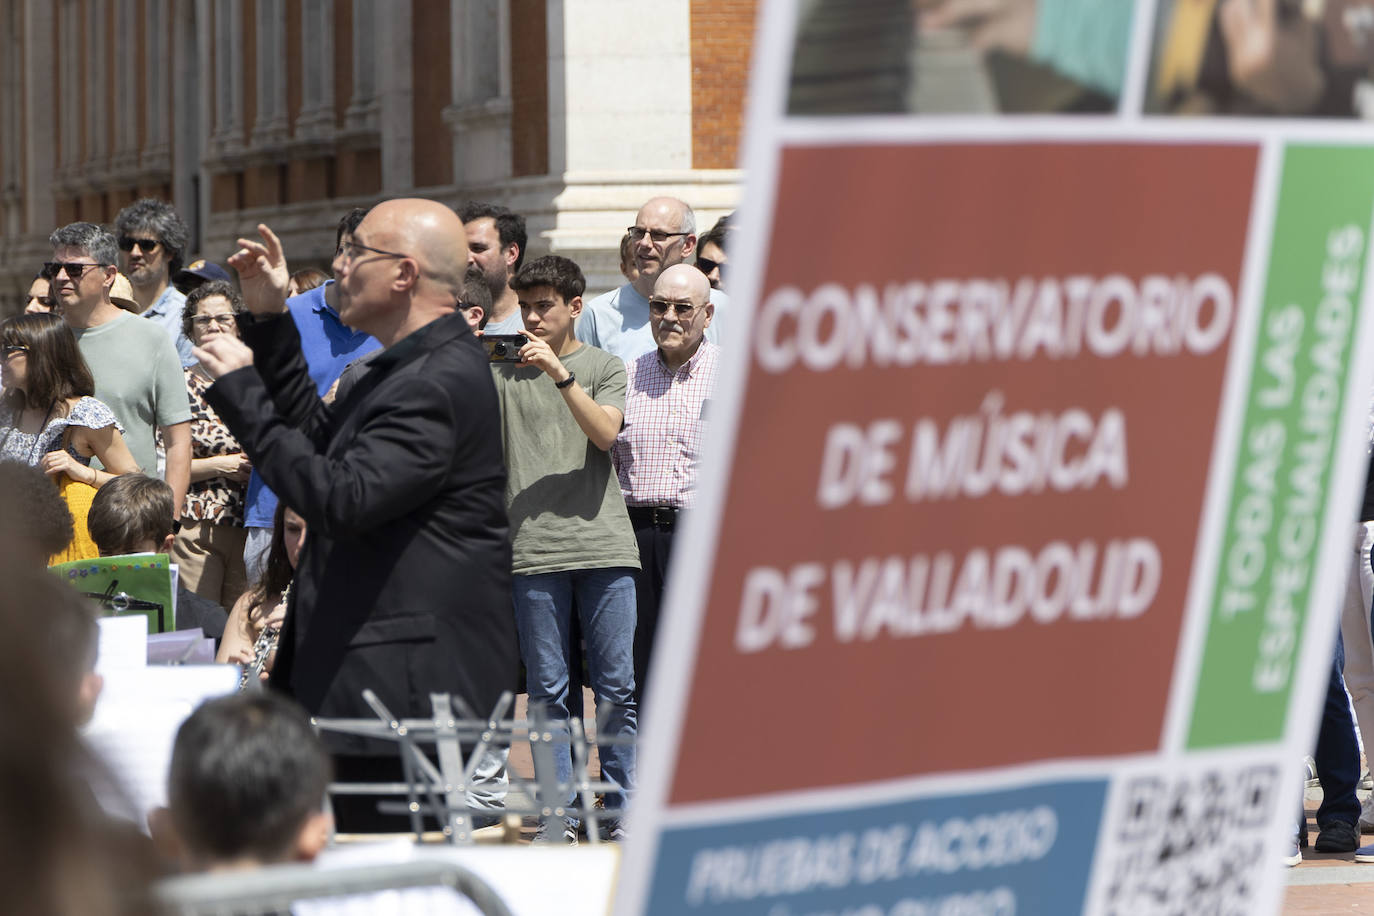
(1190, 843)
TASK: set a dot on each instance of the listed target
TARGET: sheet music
(181, 647)
(122, 644)
(136, 720)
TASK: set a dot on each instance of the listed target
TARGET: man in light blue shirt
(328, 346)
(152, 239)
(664, 234)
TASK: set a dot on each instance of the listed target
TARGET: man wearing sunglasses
(135, 367)
(659, 447)
(152, 239)
(664, 234)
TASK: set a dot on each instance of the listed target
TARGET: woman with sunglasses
(50, 420)
(209, 547)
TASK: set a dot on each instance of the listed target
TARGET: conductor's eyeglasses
(351, 249)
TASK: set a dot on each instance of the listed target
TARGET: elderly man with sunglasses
(664, 234)
(659, 446)
(152, 239)
(134, 364)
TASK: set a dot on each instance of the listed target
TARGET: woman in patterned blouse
(209, 548)
(48, 417)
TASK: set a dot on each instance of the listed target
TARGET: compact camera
(504, 348)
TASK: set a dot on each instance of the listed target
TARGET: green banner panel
(1278, 486)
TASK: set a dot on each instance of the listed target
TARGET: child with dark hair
(133, 514)
(246, 786)
(36, 522)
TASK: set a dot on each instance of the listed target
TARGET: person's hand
(244, 657)
(1006, 24)
(1273, 62)
(263, 274)
(223, 354)
(236, 467)
(277, 617)
(537, 352)
(60, 461)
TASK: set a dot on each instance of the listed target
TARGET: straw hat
(122, 294)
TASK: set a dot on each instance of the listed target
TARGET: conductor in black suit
(404, 582)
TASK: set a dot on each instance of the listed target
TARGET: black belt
(664, 518)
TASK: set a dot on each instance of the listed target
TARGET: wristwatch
(566, 382)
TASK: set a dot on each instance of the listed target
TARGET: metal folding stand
(440, 791)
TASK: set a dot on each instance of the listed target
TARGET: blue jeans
(606, 605)
(1337, 754)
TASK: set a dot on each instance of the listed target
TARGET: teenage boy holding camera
(562, 406)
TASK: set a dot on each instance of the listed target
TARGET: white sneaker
(1367, 815)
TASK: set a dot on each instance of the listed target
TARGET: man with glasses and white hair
(664, 234)
(135, 366)
(152, 239)
(659, 446)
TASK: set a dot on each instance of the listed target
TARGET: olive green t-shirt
(562, 495)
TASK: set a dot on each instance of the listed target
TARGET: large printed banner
(1015, 577)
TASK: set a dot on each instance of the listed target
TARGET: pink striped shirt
(657, 451)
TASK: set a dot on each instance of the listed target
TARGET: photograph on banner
(1263, 58)
(959, 57)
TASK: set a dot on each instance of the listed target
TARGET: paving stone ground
(1328, 883)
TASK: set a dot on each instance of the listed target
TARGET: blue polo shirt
(328, 345)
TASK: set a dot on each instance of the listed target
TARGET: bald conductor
(403, 586)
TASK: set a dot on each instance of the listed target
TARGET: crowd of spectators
(341, 462)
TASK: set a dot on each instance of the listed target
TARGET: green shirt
(562, 495)
(138, 374)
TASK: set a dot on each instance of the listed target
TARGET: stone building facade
(290, 112)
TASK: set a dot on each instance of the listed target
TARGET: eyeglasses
(224, 321)
(127, 243)
(349, 250)
(73, 269)
(683, 310)
(658, 236)
(11, 350)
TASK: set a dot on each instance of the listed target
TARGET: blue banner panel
(1027, 850)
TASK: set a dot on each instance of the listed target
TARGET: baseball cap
(200, 271)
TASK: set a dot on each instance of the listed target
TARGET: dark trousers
(1338, 753)
(655, 550)
(358, 813)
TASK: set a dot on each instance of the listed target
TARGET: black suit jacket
(404, 582)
